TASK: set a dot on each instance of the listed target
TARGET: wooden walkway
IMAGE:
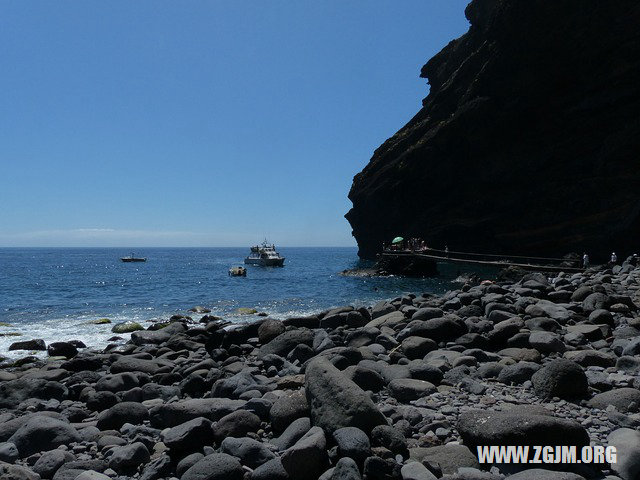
(536, 264)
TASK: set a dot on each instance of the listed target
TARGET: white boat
(264, 255)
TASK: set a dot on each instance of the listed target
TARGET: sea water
(56, 293)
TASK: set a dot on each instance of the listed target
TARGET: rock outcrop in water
(528, 142)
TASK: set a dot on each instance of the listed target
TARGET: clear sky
(163, 123)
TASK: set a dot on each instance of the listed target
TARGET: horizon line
(172, 246)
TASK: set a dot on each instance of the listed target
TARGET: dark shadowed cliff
(528, 142)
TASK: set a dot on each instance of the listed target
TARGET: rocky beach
(404, 389)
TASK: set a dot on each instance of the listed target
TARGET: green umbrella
(397, 240)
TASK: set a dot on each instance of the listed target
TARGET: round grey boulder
(623, 399)
(217, 466)
(121, 413)
(560, 378)
(42, 433)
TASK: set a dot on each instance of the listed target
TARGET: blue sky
(157, 123)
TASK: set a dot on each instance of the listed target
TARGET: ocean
(55, 293)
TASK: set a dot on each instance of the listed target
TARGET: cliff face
(528, 142)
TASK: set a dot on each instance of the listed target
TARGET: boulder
(238, 384)
(217, 466)
(335, 401)
(128, 457)
(352, 442)
(519, 426)
(560, 378)
(294, 432)
(545, 308)
(416, 471)
(250, 452)
(159, 467)
(377, 468)
(132, 364)
(49, 462)
(287, 408)
(623, 399)
(421, 370)
(119, 382)
(287, 341)
(8, 452)
(175, 413)
(595, 301)
(16, 472)
(546, 342)
(42, 433)
(390, 438)
(121, 413)
(517, 373)
(62, 349)
(236, 424)
(417, 347)
(449, 457)
(627, 444)
(407, 389)
(271, 470)
(308, 458)
(126, 327)
(270, 329)
(588, 358)
(438, 329)
(346, 469)
(188, 436)
(505, 329)
(365, 378)
(35, 344)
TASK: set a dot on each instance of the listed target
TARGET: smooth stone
(519, 426)
(250, 452)
(416, 471)
(42, 433)
(49, 462)
(217, 466)
(308, 458)
(175, 413)
(450, 457)
(352, 442)
(188, 436)
(294, 432)
(346, 469)
(560, 378)
(121, 413)
(623, 399)
(92, 475)
(408, 389)
(128, 457)
(271, 470)
(627, 443)
(335, 401)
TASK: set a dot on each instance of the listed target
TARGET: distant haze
(156, 123)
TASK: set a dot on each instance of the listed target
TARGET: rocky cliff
(528, 142)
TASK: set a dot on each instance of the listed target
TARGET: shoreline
(410, 384)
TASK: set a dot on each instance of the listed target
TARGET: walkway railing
(488, 258)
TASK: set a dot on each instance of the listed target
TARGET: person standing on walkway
(614, 258)
(585, 260)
